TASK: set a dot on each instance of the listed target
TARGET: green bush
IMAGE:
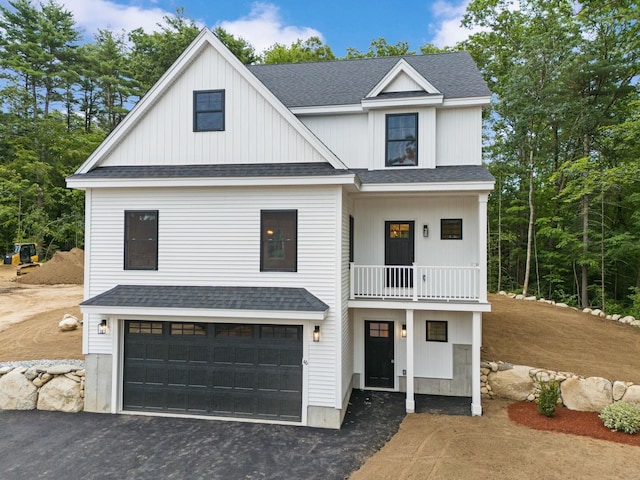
(548, 399)
(621, 416)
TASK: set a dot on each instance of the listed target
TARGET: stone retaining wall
(522, 383)
(57, 388)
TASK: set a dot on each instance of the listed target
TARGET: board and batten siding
(211, 236)
(255, 132)
(346, 135)
(371, 214)
(459, 136)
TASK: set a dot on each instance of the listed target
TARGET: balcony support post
(482, 246)
(410, 402)
(476, 341)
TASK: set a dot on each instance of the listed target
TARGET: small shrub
(621, 416)
(548, 399)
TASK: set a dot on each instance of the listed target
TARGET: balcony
(413, 282)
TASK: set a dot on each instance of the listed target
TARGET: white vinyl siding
(347, 328)
(212, 237)
(371, 214)
(459, 136)
(403, 83)
(255, 132)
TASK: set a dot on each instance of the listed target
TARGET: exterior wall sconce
(103, 328)
(316, 333)
(403, 332)
(425, 231)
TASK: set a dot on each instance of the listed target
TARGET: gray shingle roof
(461, 173)
(457, 173)
(209, 297)
(215, 171)
(347, 82)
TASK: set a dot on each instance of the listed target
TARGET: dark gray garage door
(236, 370)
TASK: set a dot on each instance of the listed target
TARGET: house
(262, 240)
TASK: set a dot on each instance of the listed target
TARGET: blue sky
(340, 24)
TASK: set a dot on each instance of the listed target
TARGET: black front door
(378, 354)
(399, 250)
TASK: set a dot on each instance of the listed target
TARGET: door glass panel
(399, 230)
(379, 329)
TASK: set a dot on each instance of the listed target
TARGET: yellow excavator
(24, 257)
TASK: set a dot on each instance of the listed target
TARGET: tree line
(561, 134)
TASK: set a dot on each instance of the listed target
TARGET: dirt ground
(426, 446)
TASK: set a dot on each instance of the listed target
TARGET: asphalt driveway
(53, 445)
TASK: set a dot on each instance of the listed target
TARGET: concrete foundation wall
(97, 397)
(324, 417)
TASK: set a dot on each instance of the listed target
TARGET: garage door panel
(214, 369)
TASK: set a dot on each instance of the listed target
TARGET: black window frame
(197, 112)
(449, 224)
(130, 262)
(290, 255)
(438, 322)
(351, 238)
(389, 141)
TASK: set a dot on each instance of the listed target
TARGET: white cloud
(102, 14)
(449, 30)
(263, 27)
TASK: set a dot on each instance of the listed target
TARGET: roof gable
(304, 143)
(402, 78)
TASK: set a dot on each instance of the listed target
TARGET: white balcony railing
(414, 282)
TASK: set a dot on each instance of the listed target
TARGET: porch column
(476, 341)
(410, 402)
(482, 245)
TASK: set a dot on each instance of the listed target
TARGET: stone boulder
(586, 394)
(61, 394)
(68, 323)
(513, 384)
(17, 392)
(632, 395)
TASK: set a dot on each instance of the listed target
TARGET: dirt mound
(63, 268)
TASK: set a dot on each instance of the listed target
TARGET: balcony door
(399, 251)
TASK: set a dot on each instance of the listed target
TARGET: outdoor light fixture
(403, 332)
(316, 333)
(425, 231)
(102, 327)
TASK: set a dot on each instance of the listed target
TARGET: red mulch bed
(587, 424)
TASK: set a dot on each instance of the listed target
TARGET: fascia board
(402, 66)
(467, 102)
(81, 183)
(443, 187)
(327, 109)
(206, 312)
(372, 103)
(205, 37)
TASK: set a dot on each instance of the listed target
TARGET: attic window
(402, 140)
(208, 111)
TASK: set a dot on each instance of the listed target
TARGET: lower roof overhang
(269, 303)
(441, 306)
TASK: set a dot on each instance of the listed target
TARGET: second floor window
(141, 240)
(208, 111)
(402, 140)
(279, 240)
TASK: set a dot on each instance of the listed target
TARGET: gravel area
(46, 363)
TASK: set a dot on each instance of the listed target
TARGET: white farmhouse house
(262, 240)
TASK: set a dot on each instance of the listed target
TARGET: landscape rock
(628, 319)
(619, 389)
(68, 323)
(596, 312)
(530, 299)
(586, 394)
(17, 392)
(61, 369)
(586, 310)
(61, 394)
(616, 317)
(562, 305)
(519, 297)
(632, 395)
(513, 384)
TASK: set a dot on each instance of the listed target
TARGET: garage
(216, 369)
